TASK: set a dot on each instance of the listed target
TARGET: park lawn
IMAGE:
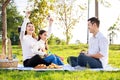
(61, 75)
(65, 51)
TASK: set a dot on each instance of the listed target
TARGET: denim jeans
(84, 61)
(87, 61)
(53, 59)
(72, 60)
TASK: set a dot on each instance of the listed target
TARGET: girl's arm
(50, 27)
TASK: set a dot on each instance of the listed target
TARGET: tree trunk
(66, 25)
(67, 37)
(4, 26)
(96, 9)
(4, 30)
(88, 18)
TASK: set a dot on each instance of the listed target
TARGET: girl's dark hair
(40, 33)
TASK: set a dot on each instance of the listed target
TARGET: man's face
(91, 27)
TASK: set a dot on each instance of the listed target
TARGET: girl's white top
(39, 46)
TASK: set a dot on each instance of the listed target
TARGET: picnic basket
(8, 62)
(5, 63)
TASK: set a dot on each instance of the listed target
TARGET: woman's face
(44, 36)
(30, 29)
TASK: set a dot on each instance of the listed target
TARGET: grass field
(65, 51)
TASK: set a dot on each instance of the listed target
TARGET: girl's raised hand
(50, 21)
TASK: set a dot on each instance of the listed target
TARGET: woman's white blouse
(27, 43)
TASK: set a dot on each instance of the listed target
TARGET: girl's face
(44, 36)
(30, 29)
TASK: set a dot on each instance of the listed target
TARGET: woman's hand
(28, 14)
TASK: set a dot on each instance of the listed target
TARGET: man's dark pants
(84, 61)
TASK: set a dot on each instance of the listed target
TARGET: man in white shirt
(97, 55)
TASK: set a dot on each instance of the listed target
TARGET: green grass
(81, 75)
(65, 51)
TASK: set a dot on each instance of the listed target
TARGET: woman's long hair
(33, 34)
(40, 33)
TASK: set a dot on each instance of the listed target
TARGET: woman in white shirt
(28, 39)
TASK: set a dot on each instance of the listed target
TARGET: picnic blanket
(65, 67)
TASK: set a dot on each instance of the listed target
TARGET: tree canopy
(14, 19)
(40, 12)
(68, 16)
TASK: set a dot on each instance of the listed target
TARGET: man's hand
(97, 55)
(87, 55)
